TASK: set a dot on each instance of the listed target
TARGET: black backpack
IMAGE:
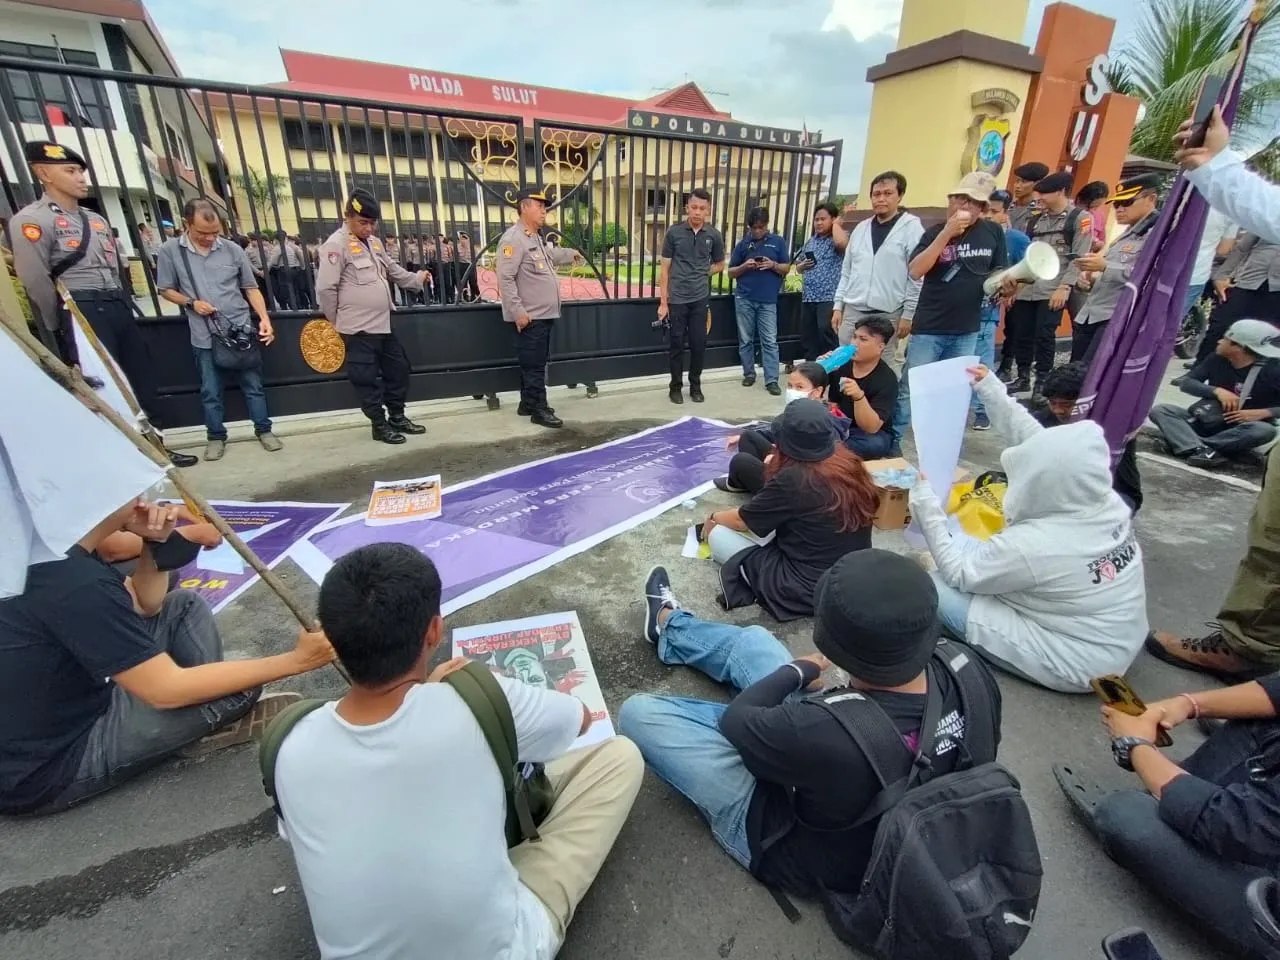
(1070, 226)
(955, 868)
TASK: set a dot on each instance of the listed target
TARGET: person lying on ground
(1238, 391)
(1057, 597)
(816, 505)
(779, 781)
(754, 445)
(1199, 832)
(1060, 390)
(393, 803)
(103, 676)
(1244, 640)
(866, 388)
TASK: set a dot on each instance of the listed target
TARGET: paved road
(183, 863)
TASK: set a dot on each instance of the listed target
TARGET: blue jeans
(680, 737)
(925, 348)
(986, 346)
(757, 320)
(869, 446)
(255, 398)
(953, 607)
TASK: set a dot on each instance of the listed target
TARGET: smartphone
(1210, 90)
(757, 259)
(1115, 692)
(1130, 944)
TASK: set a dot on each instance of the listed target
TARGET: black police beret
(46, 151)
(364, 204)
(1055, 182)
(1031, 171)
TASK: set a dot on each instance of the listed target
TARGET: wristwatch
(1122, 748)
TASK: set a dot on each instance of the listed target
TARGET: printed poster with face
(547, 651)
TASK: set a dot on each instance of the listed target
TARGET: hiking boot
(270, 442)
(214, 449)
(1209, 654)
(525, 410)
(749, 380)
(695, 394)
(402, 424)
(723, 483)
(1206, 458)
(593, 391)
(545, 418)
(1019, 385)
(383, 433)
(249, 727)
(981, 421)
(675, 395)
(774, 389)
(658, 596)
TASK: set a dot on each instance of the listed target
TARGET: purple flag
(499, 529)
(1136, 346)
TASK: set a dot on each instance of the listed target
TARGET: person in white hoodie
(873, 278)
(1056, 597)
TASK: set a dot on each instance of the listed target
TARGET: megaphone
(1040, 263)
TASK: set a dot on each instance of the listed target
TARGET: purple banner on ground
(498, 530)
(269, 529)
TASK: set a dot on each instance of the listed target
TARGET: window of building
(78, 97)
(415, 142)
(655, 201)
(379, 186)
(460, 190)
(316, 231)
(358, 136)
(415, 188)
(316, 185)
(313, 137)
(177, 146)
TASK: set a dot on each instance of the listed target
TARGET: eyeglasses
(1121, 204)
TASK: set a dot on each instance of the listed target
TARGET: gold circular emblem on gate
(322, 347)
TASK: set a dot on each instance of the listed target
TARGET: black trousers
(471, 283)
(112, 322)
(300, 284)
(281, 287)
(1035, 329)
(450, 275)
(816, 335)
(533, 348)
(378, 368)
(1260, 304)
(1085, 338)
(746, 469)
(687, 327)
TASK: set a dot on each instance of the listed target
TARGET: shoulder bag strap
(1250, 379)
(78, 253)
(195, 292)
(975, 699)
(273, 739)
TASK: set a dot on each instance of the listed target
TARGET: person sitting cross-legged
(816, 505)
(1057, 596)
(866, 389)
(103, 676)
(1200, 831)
(396, 809)
(1243, 376)
(779, 781)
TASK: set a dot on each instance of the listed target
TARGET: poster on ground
(403, 501)
(271, 530)
(503, 528)
(547, 651)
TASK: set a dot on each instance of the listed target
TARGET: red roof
(339, 76)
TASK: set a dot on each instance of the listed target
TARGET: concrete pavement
(183, 863)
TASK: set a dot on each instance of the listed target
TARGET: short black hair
(192, 208)
(1065, 382)
(757, 217)
(881, 327)
(814, 372)
(891, 176)
(828, 206)
(700, 193)
(1001, 196)
(375, 606)
(1092, 191)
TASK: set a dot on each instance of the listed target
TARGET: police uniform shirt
(290, 257)
(1049, 228)
(527, 280)
(1109, 284)
(351, 284)
(1019, 214)
(1251, 263)
(44, 235)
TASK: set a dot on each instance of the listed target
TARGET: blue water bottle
(837, 358)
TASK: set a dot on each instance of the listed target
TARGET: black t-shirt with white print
(951, 296)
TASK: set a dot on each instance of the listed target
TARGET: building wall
(923, 20)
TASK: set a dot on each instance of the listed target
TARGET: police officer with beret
(530, 292)
(55, 238)
(1135, 202)
(352, 289)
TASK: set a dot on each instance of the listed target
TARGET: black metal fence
(279, 164)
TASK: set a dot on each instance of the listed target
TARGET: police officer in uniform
(55, 238)
(352, 289)
(1135, 201)
(530, 292)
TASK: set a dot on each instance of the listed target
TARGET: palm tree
(261, 189)
(1178, 42)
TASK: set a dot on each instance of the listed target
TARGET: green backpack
(529, 791)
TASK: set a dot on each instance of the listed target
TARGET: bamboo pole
(72, 380)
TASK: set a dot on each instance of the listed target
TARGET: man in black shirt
(954, 259)
(692, 253)
(103, 676)
(776, 776)
(1243, 376)
(865, 390)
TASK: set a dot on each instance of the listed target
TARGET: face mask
(793, 395)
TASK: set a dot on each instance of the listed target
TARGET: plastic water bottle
(838, 357)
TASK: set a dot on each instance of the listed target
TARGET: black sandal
(1083, 795)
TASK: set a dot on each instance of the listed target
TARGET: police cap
(1031, 171)
(531, 193)
(46, 151)
(1054, 183)
(364, 204)
(1129, 188)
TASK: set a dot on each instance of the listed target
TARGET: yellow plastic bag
(979, 504)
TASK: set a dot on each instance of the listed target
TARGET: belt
(88, 295)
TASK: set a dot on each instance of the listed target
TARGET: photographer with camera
(212, 280)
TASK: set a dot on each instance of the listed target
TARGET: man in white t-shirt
(1216, 242)
(394, 805)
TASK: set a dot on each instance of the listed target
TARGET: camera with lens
(240, 338)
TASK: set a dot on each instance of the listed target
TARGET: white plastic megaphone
(1040, 263)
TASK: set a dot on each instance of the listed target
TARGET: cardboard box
(895, 510)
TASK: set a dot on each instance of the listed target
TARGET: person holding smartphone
(759, 262)
(819, 262)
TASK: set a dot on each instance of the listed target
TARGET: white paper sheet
(690, 549)
(940, 396)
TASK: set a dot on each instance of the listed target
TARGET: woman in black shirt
(817, 504)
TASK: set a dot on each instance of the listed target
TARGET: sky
(802, 63)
